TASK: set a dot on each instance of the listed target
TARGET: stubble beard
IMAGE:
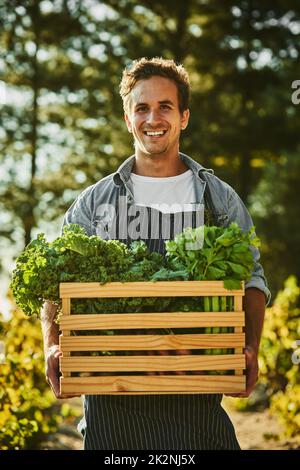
(148, 153)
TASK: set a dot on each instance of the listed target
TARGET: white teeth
(155, 133)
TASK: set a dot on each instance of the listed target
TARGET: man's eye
(143, 108)
(165, 106)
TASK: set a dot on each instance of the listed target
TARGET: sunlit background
(61, 120)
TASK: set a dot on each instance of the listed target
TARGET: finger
(55, 386)
(236, 395)
(53, 381)
(53, 378)
(57, 354)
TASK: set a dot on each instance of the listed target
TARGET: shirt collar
(123, 172)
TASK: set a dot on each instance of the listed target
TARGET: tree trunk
(245, 171)
(178, 48)
(29, 220)
(245, 176)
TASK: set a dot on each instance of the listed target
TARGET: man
(155, 95)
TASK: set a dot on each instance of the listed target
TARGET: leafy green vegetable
(225, 254)
(76, 257)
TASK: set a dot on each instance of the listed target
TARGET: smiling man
(153, 186)
(153, 116)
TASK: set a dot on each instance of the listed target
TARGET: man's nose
(153, 118)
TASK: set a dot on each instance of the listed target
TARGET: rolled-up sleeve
(238, 213)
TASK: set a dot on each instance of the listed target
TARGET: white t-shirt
(168, 194)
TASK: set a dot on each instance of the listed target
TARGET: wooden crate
(103, 384)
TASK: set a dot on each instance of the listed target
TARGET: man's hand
(251, 373)
(52, 371)
(254, 306)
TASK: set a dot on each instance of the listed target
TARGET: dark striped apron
(156, 422)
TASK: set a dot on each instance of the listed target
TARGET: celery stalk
(215, 304)
(206, 303)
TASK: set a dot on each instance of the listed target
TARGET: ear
(128, 122)
(185, 118)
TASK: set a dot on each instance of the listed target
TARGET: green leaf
(214, 273)
(232, 284)
(237, 268)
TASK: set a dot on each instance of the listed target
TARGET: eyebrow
(160, 102)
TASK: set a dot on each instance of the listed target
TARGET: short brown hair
(142, 69)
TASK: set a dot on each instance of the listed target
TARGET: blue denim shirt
(227, 205)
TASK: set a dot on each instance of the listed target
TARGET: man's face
(154, 118)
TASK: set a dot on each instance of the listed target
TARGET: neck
(158, 166)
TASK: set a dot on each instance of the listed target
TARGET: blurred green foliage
(275, 208)
(278, 370)
(28, 408)
(61, 129)
(62, 123)
(279, 382)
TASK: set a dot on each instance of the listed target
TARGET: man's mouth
(155, 134)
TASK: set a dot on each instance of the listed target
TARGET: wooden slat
(152, 363)
(150, 320)
(153, 342)
(238, 302)
(132, 385)
(151, 384)
(66, 309)
(66, 306)
(145, 289)
(238, 306)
